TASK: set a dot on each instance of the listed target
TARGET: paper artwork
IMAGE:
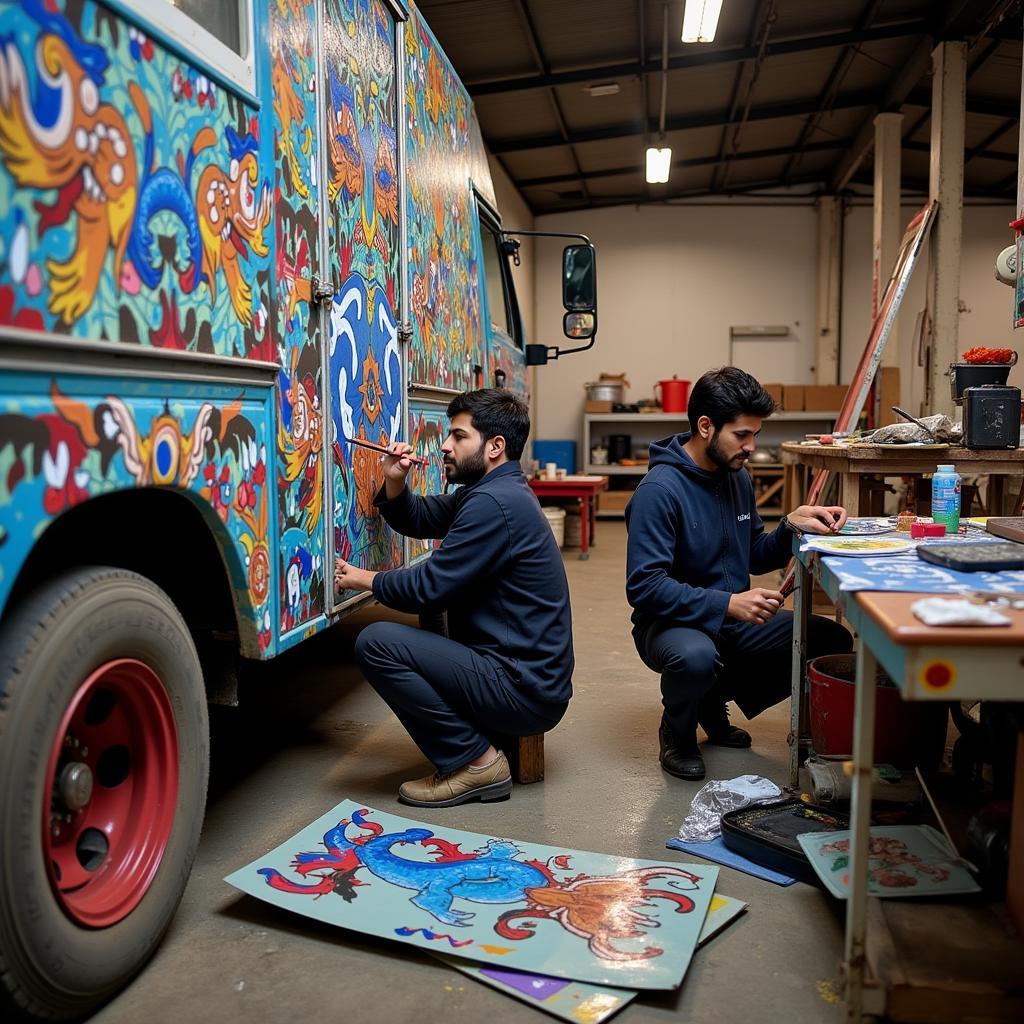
(859, 547)
(903, 860)
(573, 1000)
(591, 917)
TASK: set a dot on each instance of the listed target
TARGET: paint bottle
(946, 498)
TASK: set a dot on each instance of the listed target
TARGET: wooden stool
(525, 756)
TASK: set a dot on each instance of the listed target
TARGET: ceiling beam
(699, 161)
(764, 9)
(951, 21)
(670, 199)
(985, 154)
(832, 83)
(701, 58)
(556, 107)
(711, 119)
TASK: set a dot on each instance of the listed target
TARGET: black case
(996, 557)
(766, 834)
(992, 417)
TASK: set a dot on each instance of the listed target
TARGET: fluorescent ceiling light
(603, 89)
(659, 162)
(700, 20)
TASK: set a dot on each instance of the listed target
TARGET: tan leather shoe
(460, 786)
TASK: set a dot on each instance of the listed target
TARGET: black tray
(766, 834)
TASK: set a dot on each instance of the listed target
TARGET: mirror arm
(548, 235)
(580, 348)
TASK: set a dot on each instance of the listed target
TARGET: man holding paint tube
(695, 537)
(505, 667)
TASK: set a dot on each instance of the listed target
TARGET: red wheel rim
(111, 789)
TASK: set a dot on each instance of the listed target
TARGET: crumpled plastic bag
(944, 611)
(942, 427)
(704, 822)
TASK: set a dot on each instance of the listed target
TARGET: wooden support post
(826, 335)
(946, 183)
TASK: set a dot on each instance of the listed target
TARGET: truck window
(501, 298)
(219, 34)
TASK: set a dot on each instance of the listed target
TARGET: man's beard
(467, 472)
(716, 455)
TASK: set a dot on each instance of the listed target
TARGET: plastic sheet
(704, 822)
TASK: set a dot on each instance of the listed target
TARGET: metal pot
(605, 391)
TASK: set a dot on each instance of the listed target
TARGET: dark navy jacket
(498, 573)
(694, 539)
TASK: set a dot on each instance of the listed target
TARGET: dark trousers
(751, 664)
(451, 700)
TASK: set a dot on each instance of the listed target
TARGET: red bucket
(905, 733)
(675, 393)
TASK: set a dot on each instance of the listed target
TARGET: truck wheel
(104, 756)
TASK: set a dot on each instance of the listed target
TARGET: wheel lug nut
(85, 751)
(55, 830)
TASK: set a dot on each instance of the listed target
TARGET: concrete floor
(279, 762)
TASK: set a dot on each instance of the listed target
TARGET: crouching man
(694, 539)
(505, 667)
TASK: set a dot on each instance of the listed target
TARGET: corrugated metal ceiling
(786, 94)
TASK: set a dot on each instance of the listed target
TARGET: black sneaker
(714, 720)
(683, 763)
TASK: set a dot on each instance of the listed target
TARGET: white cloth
(704, 821)
(946, 611)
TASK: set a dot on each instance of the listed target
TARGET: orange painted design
(937, 675)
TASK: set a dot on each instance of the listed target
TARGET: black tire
(51, 967)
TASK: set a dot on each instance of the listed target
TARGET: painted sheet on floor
(567, 913)
(575, 1000)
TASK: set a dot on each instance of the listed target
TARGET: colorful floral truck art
(234, 238)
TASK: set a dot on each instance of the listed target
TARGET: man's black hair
(725, 394)
(496, 412)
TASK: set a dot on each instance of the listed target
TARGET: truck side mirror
(579, 280)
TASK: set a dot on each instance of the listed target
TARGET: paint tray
(766, 834)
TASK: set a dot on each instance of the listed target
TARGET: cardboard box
(793, 397)
(590, 405)
(824, 397)
(613, 501)
(775, 390)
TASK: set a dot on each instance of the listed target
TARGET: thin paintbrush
(415, 459)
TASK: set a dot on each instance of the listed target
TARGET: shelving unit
(767, 476)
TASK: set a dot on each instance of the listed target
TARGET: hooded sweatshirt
(694, 539)
(498, 573)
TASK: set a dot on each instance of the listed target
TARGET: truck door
(360, 101)
(503, 329)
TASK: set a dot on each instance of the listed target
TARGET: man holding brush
(506, 666)
(694, 539)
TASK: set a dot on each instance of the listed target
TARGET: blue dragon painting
(600, 910)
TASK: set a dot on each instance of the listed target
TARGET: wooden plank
(946, 962)
(891, 611)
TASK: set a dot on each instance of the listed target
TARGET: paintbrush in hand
(414, 459)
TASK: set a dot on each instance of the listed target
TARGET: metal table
(585, 489)
(927, 663)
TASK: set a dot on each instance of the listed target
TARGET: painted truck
(233, 238)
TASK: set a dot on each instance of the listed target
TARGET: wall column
(945, 183)
(826, 333)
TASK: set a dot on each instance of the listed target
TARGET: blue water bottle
(946, 498)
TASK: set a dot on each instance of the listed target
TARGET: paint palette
(865, 527)
(858, 547)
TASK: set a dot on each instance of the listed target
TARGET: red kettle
(675, 393)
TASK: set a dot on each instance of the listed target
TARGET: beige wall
(672, 280)
(986, 320)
